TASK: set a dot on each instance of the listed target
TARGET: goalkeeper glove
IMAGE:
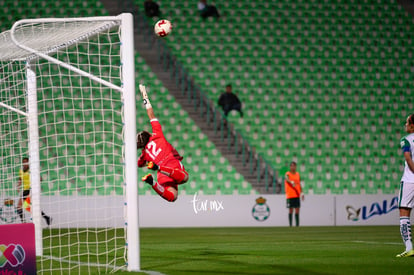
(144, 95)
(152, 166)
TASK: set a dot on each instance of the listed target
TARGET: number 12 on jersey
(152, 150)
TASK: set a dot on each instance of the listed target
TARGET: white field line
(368, 242)
(150, 272)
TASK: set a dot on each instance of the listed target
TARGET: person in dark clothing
(207, 10)
(229, 101)
(151, 8)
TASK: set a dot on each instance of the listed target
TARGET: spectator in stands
(229, 101)
(152, 9)
(207, 10)
(293, 192)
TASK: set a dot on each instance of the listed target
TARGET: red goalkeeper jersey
(158, 149)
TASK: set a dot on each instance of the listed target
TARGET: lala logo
(375, 209)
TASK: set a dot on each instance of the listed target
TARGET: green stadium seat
(190, 187)
(371, 186)
(353, 185)
(86, 191)
(311, 75)
(209, 188)
(244, 188)
(66, 192)
(226, 188)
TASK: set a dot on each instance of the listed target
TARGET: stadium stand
(210, 172)
(323, 83)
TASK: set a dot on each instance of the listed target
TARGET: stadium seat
(318, 78)
(341, 95)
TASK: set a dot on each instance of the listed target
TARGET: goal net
(68, 105)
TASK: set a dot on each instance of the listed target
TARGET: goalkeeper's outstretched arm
(147, 103)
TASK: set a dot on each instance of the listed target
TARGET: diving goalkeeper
(159, 155)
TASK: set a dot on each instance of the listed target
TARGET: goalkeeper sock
(178, 175)
(297, 219)
(405, 230)
(20, 212)
(290, 219)
(163, 192)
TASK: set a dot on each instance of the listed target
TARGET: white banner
(243, 210)
(367, 210)
(222, 210)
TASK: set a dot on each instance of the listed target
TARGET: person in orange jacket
(293, 192)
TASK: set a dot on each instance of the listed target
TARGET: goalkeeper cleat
(48, 219)
(409, 253)
(148, 179)
(152, 166)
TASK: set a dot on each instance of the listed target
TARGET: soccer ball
(163, 28)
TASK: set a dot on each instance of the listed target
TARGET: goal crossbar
(14, 44)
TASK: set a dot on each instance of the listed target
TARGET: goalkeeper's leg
(297, 216)
(175, 171)
(25, 194)
(165, 187)
(20, 209)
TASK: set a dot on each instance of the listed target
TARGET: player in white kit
(406, 195)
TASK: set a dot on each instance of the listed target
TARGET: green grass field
(275, 250)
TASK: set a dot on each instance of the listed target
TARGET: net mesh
(13, 138)
(80, 142)
(48, 37)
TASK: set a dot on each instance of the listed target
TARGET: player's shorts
(165, 180)
(293, 203)
(25, 194)
(406, 195)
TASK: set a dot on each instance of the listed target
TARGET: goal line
(115, 268)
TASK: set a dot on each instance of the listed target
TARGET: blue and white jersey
(407, 145)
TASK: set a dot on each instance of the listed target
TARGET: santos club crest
(261, 210)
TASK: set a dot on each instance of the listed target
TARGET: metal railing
(266, 174)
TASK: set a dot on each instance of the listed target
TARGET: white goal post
(67, 102)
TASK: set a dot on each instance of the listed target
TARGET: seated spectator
(151, 8)
(229, 101)
(207, 10)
